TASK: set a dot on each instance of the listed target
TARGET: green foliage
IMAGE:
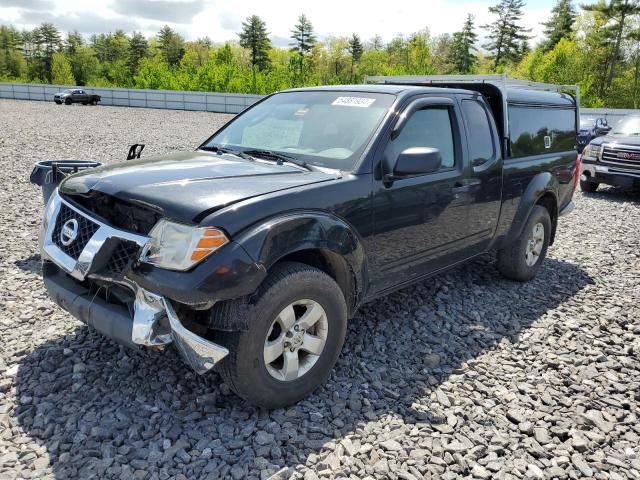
(303, 40)
(506, 35)
(560, 25)
(255, 38)
(463, 47)
(61, 73)
(599, 49)
(171, 45)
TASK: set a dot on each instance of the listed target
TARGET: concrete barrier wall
(125, 97)
(202, 101)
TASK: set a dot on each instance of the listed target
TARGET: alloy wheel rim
(534, 245)
(295, 340)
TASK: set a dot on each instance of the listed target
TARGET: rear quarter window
(538, 130)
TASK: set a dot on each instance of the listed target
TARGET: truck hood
(186, 185)
(617, 138)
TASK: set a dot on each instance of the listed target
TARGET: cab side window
(430, 127)
(480, 142)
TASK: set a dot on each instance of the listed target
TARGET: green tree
(12, 62)
(356, 50)
(224, 55)
(171, 45)
(505, 33)
(616, 13)
(255, 38)
(49, 42)
(61, 73)
(73, 42)
(559, 25)
(138, 49)
(303, 41)
(84, 64)
(463, 48)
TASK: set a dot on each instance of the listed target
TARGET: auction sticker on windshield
(353, 101)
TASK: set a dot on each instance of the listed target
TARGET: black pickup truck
(252, 252)
(76, 95)
(613, 159)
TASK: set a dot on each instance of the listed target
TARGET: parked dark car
(613, 159)
(590, 128)
(76, 95)
(252, 252)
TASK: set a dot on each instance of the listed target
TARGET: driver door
(420, 222)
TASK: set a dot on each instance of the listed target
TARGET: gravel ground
(466, 375)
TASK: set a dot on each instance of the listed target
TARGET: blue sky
(220, 19)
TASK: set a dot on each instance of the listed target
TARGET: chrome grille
(86, 229)
(121, 258)
(624, 157)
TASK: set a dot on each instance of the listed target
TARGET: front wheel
(68, 101)
(522, 259)
(296, 327)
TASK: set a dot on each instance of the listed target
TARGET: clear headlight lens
(591, 152)
(175, 246)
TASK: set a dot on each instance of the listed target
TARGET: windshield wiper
(279, 157)
(237, 153)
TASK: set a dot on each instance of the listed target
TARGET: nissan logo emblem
(69, 232)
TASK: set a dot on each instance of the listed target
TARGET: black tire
(512, 261)
(244, 370)
(58, 103)
(84, 103)
(68, 101)
(94, 102)
(588, 186)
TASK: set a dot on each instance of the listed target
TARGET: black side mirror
(416, 161)
(603, 130)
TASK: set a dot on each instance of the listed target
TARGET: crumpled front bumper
(153, 321)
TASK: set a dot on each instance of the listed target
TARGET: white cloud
(220, 20)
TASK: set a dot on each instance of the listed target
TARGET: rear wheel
(296, 327)
(588, 186)
(522, 259)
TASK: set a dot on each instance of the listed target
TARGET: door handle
(465, 186)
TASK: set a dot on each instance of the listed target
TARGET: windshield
(587, 122)
(323, 128)
(68, 91)
(628, 126)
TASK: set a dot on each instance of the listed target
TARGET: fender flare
(542, 184)
(286, 234)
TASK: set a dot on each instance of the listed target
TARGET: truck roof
(514, 94)
(372, 88)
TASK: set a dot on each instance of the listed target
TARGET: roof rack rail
(499, 80)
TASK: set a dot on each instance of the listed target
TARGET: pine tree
(356, 50)
(505, 33)
(464, 44)
(560, 25)
(73, 42)
(138, 49)
(303, 40)
(171, 45)
(255, 38)
(617, 13)
(50, 42)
